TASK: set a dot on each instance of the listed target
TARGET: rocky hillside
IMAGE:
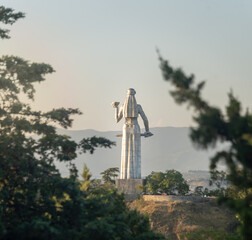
(177, 217)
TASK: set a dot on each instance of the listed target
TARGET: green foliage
(218, 178)
(90, 144)
(213, 125)
(199, 191)
(86, 178)
(109, 175)
(169, 182)
(111, 219)
(7, 16)
(209, 234)
(237, 193)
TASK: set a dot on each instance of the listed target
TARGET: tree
(199, 191)
(219, 179)
(86, 176)
(36, 202)
(169, 182)
(213, 125)
(109, 218)
(109, 175)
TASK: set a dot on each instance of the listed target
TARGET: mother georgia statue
(131, 137)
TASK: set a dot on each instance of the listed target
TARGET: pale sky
(99, 49)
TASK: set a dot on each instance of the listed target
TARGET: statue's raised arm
(118, 114)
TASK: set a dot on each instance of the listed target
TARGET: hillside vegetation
(175, 218)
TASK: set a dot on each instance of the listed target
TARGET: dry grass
(175, 218)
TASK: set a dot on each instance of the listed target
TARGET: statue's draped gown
(131, 138)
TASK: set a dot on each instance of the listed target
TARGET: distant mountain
(168, 148)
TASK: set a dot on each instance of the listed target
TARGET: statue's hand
(148, 134)
(115, 104)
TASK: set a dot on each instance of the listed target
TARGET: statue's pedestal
(128, 187)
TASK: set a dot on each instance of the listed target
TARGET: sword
(146, 134)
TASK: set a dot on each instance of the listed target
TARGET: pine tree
(213, 125)
(86, 178)
(109, 175)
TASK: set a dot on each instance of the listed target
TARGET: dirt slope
(175, 218)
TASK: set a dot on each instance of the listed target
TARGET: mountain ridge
(168, 148)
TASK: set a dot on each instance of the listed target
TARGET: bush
(169, 182)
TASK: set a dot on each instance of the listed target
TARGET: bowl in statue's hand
(115, 104)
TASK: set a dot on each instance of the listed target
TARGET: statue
(131, 137)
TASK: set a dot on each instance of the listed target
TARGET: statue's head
(130, 104)
(131, 91)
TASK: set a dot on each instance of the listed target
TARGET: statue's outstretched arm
(143, 116)
(118, 114)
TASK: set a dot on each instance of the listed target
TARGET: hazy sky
(99, 49)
